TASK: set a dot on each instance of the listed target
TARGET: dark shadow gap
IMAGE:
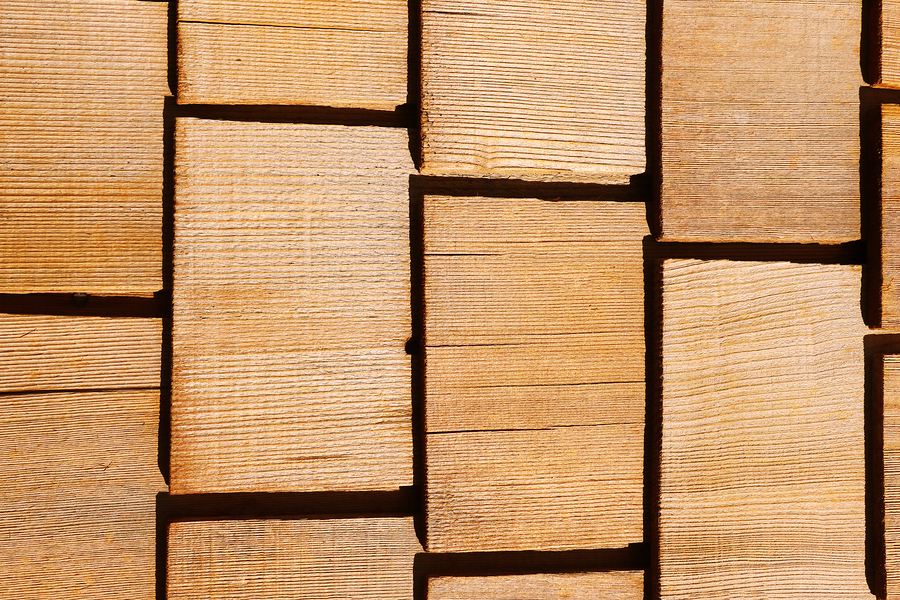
(414, 81)
(870, 41)
(415, 347)
(485, 564)
(551, 191)
(286, 505)
(848, 253)
(875, 344)
(168, 243)
(870, 197)
(403, 116)
(652, 420)
(85, 305)
(653, 118)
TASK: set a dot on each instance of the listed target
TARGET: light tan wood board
(82, 87)
(534, 90)
(888, 24)
(760, 121)
(890, 217)
(324, 559)
(762, 479)
(78, 469)
(291, 308)
(319, 52)
(534, 373)
(890, 370)
(621, 585)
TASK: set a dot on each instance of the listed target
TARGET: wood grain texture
(327, 559)
(890, 217)
(760, 121)
(889, 43)
(82, 86)
(79, 413)
(534, 90)
(621, 585)
(320, 52)
(762, 478)
(890, 370)
(534, 373)
(291, 308)
(49, 353)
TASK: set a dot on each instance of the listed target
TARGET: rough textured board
(330, 559)
(889, 41)
(534, 90)
(291, 308)
(763, 464)
(78, 485)
(890, 216)
(890, 369)
(82, 87)
(49, 353)
(534, 373)
(760, 121)
(618, 585)
(320, 52)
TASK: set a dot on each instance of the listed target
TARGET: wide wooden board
(82, 87)
(291, 308)
(316, 559)
(621, 585)
(760, 121)
(534, 90)
(889, 227)
(320, 52)
(889, 366)
(762, 477)
(534, 373)
(79, 413)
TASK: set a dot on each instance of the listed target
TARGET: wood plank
(291, 308)
(320, 52)
(622, 585)
(889, 365)
(51, 353)
(534, 356)
(83, 86)
(325, 559)
(888, 34)
(550, 90)
(762, 484)
(760, 121)
(78, 485)
(889, 266)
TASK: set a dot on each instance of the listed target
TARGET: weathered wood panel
(291, 308)
(342, 54)
(890, 217)
(327, 559)
(762, 478)
(760, 121)
(82, 86)
(889, 366)
(534, 373)
(534, 90)
(622, 585)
